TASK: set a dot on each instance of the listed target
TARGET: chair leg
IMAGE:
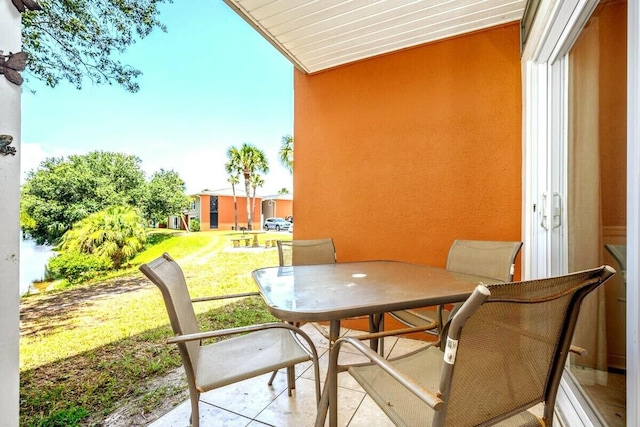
(273, 376)
(194, 395)
(291, 379)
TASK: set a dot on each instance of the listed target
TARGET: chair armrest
(422, 393)
(219, 297)
(392, 332)
(179, 339)
(578, 350)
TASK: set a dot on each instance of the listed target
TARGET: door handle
(557, 210)
(544, 223)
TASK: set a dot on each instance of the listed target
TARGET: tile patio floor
(253, 403)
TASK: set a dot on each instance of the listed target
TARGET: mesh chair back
(493, 259)
(167, 275)
(512, 351)
(306, 252)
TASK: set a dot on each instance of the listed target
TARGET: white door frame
(10, 41)
(633, 211)
(552, 34)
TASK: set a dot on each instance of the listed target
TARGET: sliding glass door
(575, 196)
(596, 203)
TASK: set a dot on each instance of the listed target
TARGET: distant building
(215, 211)
(278, 206)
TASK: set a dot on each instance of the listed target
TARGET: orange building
(277, 206)
(215, 210)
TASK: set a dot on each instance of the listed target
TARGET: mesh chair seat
(260, 352)
(416, 317)
(402, 408)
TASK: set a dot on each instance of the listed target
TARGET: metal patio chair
(251, 351)
(487, 258)
(306, 252)
(505, 353)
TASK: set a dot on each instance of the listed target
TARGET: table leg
(376, 324)
(334, 332)
(328, 400)
(332, 373)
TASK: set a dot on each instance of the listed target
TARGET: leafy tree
(165, 196)
(286, 152)
(74, 40)
(283, 190)
(247, 161)
(116, 233)
(61, 192)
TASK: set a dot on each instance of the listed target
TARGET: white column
(9, 225)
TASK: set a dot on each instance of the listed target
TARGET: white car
(276, 224)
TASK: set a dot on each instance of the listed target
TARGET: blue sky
(210, 82)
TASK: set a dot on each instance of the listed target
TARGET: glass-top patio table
(331, 292)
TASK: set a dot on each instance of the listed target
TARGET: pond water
(33, 262)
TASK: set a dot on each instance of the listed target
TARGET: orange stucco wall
(399, 155)
(204, 213)
(226, 213)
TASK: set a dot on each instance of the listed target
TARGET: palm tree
(247, 161)
(286, 153)
(233, 180)
(116, 233)
(256, 181)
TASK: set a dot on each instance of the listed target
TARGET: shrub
(116, 233)
(194, 225)
(77, 267)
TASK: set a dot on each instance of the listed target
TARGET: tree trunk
(247, 177)
(186, 226)
(235, 207)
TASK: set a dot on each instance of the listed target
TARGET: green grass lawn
(88, 349)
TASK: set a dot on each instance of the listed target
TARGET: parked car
(276, 224)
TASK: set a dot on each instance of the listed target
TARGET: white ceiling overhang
(319, 34)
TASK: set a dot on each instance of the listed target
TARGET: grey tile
(209, 415)
(296, 411)
(248, 397)
(370, 415)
